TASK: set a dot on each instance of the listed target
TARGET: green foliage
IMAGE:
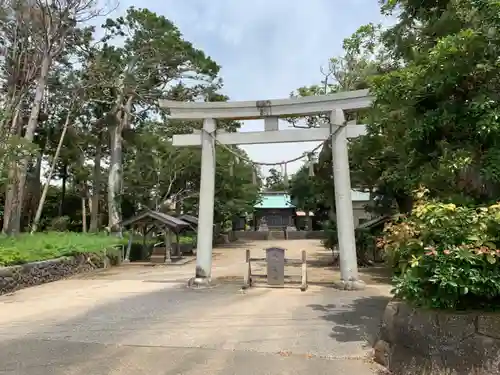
(366, 245)
(187, 240)
(12, 149)
(27, 248)
(435, 119)
(111, 89)
(434, 75)
(366, 242)
(331, 239)
(446, 256)
(275, 181)
(235, 192)
(306, 191)
(60, 224)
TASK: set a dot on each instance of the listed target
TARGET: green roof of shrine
(274, 201)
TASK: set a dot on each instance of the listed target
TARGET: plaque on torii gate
(271, 111)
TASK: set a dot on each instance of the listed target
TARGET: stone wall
(251, 235)
(18, 277)
(306, 235)
(417, 341)
(292, 235)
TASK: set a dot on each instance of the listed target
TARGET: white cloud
(267, 48)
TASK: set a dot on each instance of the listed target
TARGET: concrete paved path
(139, 320)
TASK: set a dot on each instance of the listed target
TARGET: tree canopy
(85, 111)
(434, 75)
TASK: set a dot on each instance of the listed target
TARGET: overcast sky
(267, 48)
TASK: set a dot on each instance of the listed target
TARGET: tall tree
(154, 55)
(438, 114)
(275, 181)
(45, 30)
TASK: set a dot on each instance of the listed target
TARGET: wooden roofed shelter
(150, 220)
(190, 219)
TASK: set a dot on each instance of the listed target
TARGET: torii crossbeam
(271, 111)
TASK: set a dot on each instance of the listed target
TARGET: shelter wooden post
(129, 246)
(178, 245)
(170, 242)
(144, 237)
(168, 257)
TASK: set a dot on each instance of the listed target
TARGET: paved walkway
(137, 320)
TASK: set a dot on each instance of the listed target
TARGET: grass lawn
(27, 248)
(183, 240)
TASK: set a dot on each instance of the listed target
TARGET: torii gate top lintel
(251, 110)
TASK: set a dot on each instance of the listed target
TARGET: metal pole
(343, 204)
(206, 205)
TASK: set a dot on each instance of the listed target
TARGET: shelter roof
(172, 223)
(190, 219)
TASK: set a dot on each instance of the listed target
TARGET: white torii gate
(271, 111)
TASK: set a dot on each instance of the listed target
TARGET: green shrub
(331, 239)
(60, 224)
(446, 256)
(366, 249)
(365, 243)
(183, 240)
(27, 248)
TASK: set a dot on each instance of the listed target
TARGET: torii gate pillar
(334, 104)
(206, 204)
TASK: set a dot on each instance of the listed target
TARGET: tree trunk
(34, 189)
(64, 181)
(9, 199)
(96, 187)
(114, 178)
(84, 215)
(16, 205)
(15, 127)
(11, 188)
(9, 123)
(39, 209)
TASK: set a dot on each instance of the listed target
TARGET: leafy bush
(365, 243)
(27, 248)
(366, 249)
(446, 256)
(186, 239)
(331, 239)
(60, 224)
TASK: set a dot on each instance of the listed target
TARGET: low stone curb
(13, 278)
